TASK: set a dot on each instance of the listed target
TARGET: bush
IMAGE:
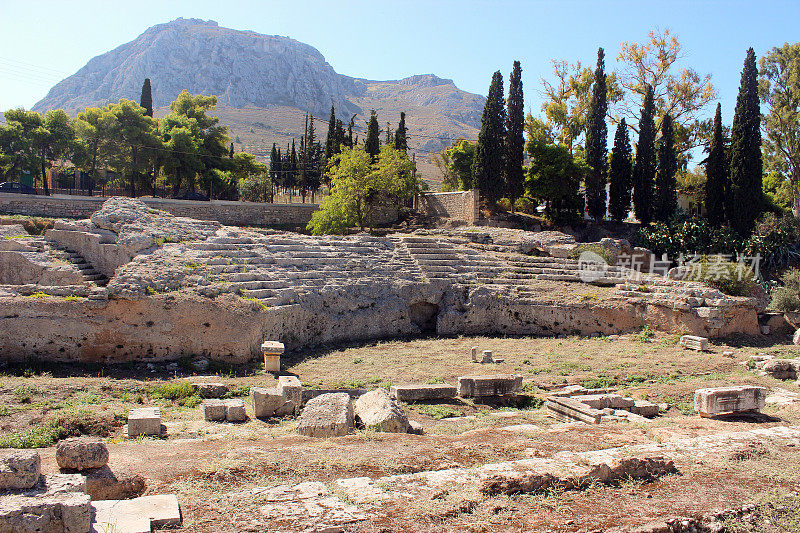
(776, 240)
(734, 279)
(602, 251)
(687, 236)
(787, 298)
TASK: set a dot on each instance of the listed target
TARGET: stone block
(644, 408)
(417, 393)
(486, 386)
(782, 368)
(65, 512)
(377, 410)
(103, 484)
(211, 390)
(214, 410)
(144, 421)
(139, 515)
(19, 469)
(267, 402)
(568, 409)
(292, 390)
(692, 342)
(725, 400)
(327, 415)
(234, 410)
(474, 353)
(81, 453)
(415, 428)
(603, 401)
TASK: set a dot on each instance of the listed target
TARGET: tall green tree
(666, 199)
(400, 139)
(619, 174)
(746, 166)
(515, 143)
(56, 140)
(779, 89)
(596, 142)
(92, 127)
(18, 142)
(644, 168)
(456, 162)
(133, 135)
(716, 174)
(332, 142)
(488, 168)
(146, 100)
(372, 143)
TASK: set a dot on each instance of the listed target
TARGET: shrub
(438, 411)
(602, 251)
(776, 240)
(733, 279)
(687, 236)
(41, 436)
(787, 298)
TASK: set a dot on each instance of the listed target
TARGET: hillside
(265, 85)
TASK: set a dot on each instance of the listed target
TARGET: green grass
(36, 437)
(172, 391)
(23, 393)
(437, 411)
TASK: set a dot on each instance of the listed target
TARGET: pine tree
(644, 169)
(716, 174)
(665, 203)
(372, 144)
(746, 167)
(515, 143)
(331, 142)
(400, 140)
(596, 142)
(146, 100)
(619, 175)
(487, 170)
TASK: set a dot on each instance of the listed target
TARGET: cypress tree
(716, 174)
(230, 152)
(746, 166)
(515, 143)
(331, 142)
(293, 167)
(644, 168)
(596, 142)
(339, 136)
(487, 169)
(372, 144)
(350, 125)
(619, 175)
(666, 200)
(400, 140)
(146, 100)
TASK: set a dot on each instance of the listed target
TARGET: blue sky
(43, 41)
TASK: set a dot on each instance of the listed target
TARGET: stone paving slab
(139, 515)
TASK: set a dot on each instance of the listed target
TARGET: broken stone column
(727, 400)
(474, 352)
(327, 415)
(272, 351)
(81, 453)
(19, 469)
(144, 421)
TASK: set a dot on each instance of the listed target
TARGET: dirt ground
(207, 464)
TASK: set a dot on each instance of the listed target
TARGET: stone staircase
(60, 252)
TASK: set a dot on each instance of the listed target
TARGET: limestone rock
(19, 469)
(796, 338)
(723, 400)
(269, 402)
(103, 484)
(415, 428)
(782, 368)
(486, 386)
(327, 415)
(81, 453)
(234, 410)
(214, 410)
(66, 512)
(144, 421)
(423, 392)
(211, 390)
(139, 515)
(376, 410)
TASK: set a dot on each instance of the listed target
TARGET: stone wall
(458, 205)
(229, 213)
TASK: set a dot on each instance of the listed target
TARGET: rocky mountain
(265, 85)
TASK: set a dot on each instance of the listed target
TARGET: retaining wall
(458, 205)
(228, 213)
